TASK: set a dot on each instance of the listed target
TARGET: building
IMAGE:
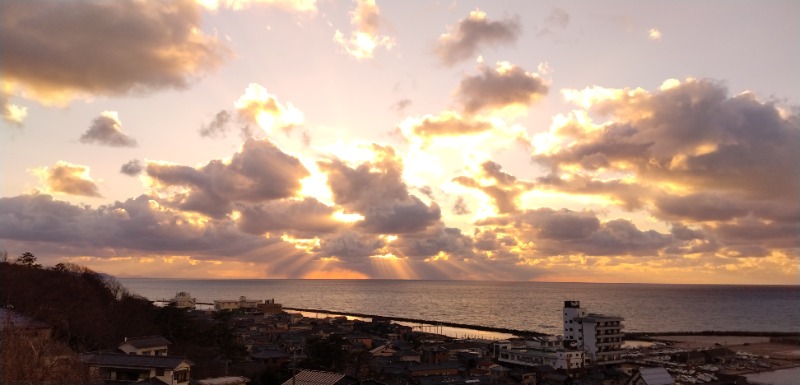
(651, 376)
(269, 307)
(145, 346)
(599, 335)
(121, 368)
(547, 350)
(234, 304)
(316, 377)
(183, 300)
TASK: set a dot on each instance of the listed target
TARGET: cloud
(56, 51)
(258, 106)
(259, 172)
(136, 227)
(472, 33)
(132, 168)
(687, 153)
(505, 86)
(11, 112)
(68, 178)
(377, 191)
(309, 6)
(654, 34)
(447, 123)
(106, 129)
(306, 218)
(566, 232)
(218, 127)
(504, 189)
(558, 19)
(365, 39)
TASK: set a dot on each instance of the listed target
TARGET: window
(181, 376)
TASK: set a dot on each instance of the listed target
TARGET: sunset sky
(614, 141)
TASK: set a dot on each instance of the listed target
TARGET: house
(271, 358)
(127, 368)
(269, 307)
(435, 354)
(449, 368)
(651, 376)
(231, 380)
(145, 346)
(316, 377)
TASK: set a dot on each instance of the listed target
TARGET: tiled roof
(314, 377)
(147, 342)
(656, 376)
(129, 360)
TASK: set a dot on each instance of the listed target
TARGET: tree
(28, 259)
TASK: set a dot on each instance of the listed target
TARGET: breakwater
(516, 332)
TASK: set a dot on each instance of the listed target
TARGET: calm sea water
(534, 306)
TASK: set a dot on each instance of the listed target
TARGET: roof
(656, 376)
(230, 380)
(269, 353)
(132, 360)
(314, 377)
(146, 342)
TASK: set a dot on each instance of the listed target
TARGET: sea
(531, 306)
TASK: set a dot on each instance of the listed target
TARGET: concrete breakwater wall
(520, 333)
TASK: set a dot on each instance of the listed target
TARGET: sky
(615, 141)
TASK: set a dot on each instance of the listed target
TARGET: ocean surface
(534, 306)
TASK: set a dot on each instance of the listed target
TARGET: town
(284, 347)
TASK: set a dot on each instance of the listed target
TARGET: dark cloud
(259, 172)
(218, 127)
(504, 191)
(507, 85)
(106, 129)
(567, 232)
(58, 50)
(377, 191)
(351, 246)
(472, 33)
(460, 207)
(432, 241)
(307, 218)
(70, 179)
(692, 155)
(132, 168)
(401, 105)
(136, 226)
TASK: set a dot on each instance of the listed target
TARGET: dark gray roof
(269, 353)
(656, 376)
(147, 342)
(132, 360)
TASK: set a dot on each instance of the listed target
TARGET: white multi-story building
(183, 300)
(599, 335)
(547, 350)
(232, 304)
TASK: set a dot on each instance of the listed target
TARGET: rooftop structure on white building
(183, 300)
(546, 350)
(234, 304)
(600, 336)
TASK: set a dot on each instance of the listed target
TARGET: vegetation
(87, 311)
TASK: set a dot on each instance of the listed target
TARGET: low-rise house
(449, 368)
(651, 376)
(435, 354)
(316, 377)
(121, 368)
(230, 380)
(145, 346)
(271, 358)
